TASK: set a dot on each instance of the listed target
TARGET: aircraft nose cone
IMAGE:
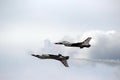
(58, 43)
(33, 54)
(55, 43)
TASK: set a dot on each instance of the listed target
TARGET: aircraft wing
(65, 63)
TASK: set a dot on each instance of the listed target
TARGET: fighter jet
(83, 44)
(58, 57)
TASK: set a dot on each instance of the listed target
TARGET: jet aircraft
(58, 57)
(83, 44)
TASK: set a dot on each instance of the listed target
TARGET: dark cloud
(106, 46)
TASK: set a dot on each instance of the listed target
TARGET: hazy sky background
(28, 26)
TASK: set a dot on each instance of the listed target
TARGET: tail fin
(65, 63)
(86, 42)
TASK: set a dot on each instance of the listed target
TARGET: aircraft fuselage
(77, 45)
(49, 56)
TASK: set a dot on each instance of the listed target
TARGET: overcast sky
(28, 26)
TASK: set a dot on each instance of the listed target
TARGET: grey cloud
(106, 46)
